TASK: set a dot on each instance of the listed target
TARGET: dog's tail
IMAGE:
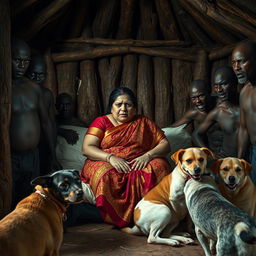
(245, 233)
(133, 231)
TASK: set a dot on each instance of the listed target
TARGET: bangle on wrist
(108, 157)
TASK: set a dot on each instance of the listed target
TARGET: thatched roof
(204, 23)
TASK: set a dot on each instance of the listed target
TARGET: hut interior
(154, 47)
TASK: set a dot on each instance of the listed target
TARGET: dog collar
(60, 210)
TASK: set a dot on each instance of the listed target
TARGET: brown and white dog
(163, 207)
(34, 227)
(235, 184)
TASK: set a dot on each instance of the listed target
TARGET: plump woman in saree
(125, 158)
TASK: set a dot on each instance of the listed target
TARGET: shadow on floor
(102, 239)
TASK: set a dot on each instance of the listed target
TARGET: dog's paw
(174, 243)
(189, 241)
(184, 234)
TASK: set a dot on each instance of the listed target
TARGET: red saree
(118, 193)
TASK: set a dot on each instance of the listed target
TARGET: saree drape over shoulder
(118, 193)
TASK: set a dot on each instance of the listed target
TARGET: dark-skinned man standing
(225, 114)
(28, 111)
(244, 65)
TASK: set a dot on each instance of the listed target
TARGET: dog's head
(232, 171)
(192, 161)
(65, 185)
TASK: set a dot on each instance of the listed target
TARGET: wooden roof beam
(193, 29)
(230, 21)
(20, 6)
(166, 20)
(233, 9)
(126, 42)
(43, 18)
(216, 33)
(125, 21)
(104, 51)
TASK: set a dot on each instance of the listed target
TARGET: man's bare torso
(25, 122)
(248, 106)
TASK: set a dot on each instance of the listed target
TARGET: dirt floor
(102, 239)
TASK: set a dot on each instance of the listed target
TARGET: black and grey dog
(216, 219)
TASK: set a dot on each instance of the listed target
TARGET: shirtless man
(244, 64)
(27, 112)
(201, 105)
(65, 108)
(226, 113)
(37, 73)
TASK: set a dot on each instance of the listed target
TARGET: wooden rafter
(216, 32)
(43, 18)
(104, 51)
(227, 19)
(167, 21)
(126, 42)
(20, 6)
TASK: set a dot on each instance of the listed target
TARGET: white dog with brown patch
(163, 207)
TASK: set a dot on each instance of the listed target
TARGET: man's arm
(197, 136)
(186, 119)
(51, 112)
(47, 128)
(243, 136)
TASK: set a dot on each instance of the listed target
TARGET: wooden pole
(182, 75)
(167, 22)
(129, 73)
(228, 20)
(51, 79)
(130, 61)
(20, 6)
(109, 70)
(145, 84)
(163, 95)
(105, 51)
(67, 78)
(246, 6)
(126, 18)
(5, 109)
(88, 94)
(178, 12)
(213, 29)
(221, 52)
(202, 67)
(235, 10)
(196, 33)
(78, 21)
(124, 42)
(43, 18)
(104, 18)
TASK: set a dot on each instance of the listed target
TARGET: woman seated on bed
(125, 158)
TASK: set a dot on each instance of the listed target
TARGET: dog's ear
(215, 167)
(176, 157)
(208, 152)
(44, 181)
(247, 166)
